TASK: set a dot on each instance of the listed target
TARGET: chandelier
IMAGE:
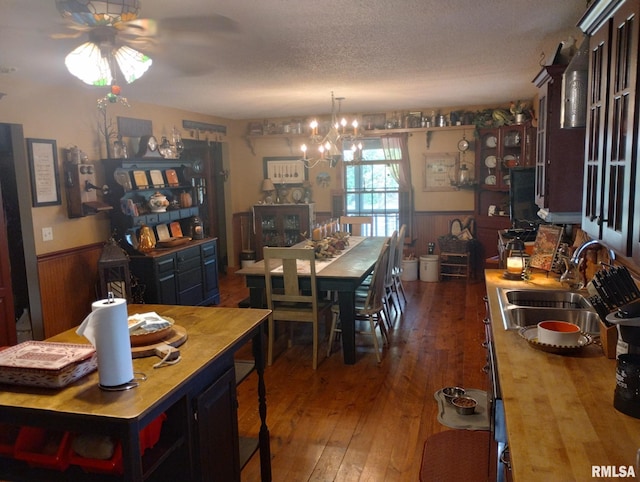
(328, 148)
(94, 62)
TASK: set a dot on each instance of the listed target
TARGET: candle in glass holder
(515, 264)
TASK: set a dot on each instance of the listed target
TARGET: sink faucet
(573, 276)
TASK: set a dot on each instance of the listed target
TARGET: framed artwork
(43, 163)
(285, 170)
(545, 246)
(373, 121)
(440, 170)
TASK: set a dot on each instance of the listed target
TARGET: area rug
(456, 455)
(448, 416)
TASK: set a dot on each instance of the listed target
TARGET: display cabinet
(497, 151)
(610, 192)
(134, 184)
(559, 152)
(281, 224)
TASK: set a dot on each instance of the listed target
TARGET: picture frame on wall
(440, 171)
(285, 170)
(43, 164)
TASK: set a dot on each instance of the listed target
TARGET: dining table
(341, 274)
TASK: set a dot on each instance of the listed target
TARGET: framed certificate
(43, 162)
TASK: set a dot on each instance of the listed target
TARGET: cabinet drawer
(164, 217)
(208, 250)
(190, 279)
(166, 264)
(188, 254)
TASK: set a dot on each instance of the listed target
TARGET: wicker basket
(452, 244)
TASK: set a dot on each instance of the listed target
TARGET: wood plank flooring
(369, 421)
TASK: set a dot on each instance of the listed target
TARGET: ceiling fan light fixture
(92, 13)
(133, 64)
(89, 65)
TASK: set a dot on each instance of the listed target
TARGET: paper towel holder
(139, 377)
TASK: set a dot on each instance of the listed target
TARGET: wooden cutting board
(175, 337)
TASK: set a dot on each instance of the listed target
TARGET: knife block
(608, 340)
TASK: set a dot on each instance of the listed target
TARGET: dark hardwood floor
(368, 421)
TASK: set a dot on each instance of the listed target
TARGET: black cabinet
(186, 275)
(216, 424)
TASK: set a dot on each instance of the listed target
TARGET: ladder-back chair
(286, 299)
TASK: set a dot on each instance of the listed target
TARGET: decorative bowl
(464, 405)
(558, 333)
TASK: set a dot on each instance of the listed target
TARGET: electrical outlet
(47, 234)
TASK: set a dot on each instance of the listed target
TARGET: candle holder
(515, 260)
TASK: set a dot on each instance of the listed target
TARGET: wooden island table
(342, 274)
(199, 438)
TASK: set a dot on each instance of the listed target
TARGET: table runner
(303, 266)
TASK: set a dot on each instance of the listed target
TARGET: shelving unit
(455, 265)
(289, 138)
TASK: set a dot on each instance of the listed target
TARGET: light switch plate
(47, 234)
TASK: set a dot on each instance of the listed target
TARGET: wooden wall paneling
(429, 226)
(68, 281)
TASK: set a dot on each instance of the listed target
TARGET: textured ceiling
(243, 59)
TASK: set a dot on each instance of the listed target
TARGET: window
(374, 183)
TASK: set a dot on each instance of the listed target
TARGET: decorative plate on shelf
(491, 141)
(490, 162)
(490, 180)
(297, 194)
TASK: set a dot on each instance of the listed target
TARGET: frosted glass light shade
(133, 64)
(87, 63)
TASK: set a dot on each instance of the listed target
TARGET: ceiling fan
(114, 29)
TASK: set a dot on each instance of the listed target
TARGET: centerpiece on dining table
(329, 246)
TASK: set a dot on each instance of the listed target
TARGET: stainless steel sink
(547, 299)
(522, 308)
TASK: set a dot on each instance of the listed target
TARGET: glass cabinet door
(270, 236)
(291, 229)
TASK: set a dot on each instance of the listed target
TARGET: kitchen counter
(559, 409)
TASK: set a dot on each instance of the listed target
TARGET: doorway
(14, 285)
(210, 189)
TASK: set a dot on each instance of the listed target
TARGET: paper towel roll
(107, 329)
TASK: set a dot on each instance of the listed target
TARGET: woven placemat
(448, 416)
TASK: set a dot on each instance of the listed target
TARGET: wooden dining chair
(369, 308)
(285, 298)
(397, 271)
(391, 298)
(355, 224)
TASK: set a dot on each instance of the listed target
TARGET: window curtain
(395, 147)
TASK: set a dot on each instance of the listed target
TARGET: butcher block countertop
(559, 409)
